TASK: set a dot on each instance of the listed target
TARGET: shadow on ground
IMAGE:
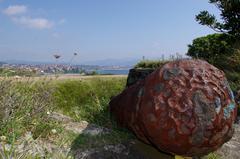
(128, 150)
(110, 142)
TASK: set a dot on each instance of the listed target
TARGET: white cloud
(35, 23)
(15, 10)
(17, 14)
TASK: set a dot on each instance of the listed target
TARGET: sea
(113, 72)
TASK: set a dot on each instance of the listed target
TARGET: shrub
(217, 49)
(150, 64)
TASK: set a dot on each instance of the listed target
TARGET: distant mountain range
(113, 62)
(104, 62)
(1, 63)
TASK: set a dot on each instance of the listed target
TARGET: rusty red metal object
(185, 107)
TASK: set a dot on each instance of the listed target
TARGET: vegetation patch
(26, 107)
(153, 64)
(87, 99)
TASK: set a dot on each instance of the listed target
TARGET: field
(54, 111)
(64, 117)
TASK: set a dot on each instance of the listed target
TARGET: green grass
(213, 156)
(24, 106)
(153, 64)
(87, 99)
(17, 72)
(29, 102)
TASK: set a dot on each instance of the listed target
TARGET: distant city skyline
(98, 30)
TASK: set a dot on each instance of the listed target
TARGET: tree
(230, 15)
(215, 48)
(221, 50)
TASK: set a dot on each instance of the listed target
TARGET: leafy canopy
(230, 15)
(215, 48)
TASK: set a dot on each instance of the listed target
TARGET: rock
(93, 130)
(129, 150)
(60, 117)
(138, 74)
(237, 100)
(76, 127)
(118, 151)
(27, 146)
(231, 149)
(185, 107)
(82, 127)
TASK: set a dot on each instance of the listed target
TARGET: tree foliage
(230, 15)
(217, 49)
(209, 47)
(221, 50)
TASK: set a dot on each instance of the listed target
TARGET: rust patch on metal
(185, 107)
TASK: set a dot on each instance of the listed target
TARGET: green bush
(92, 73)
(150, 64)
(217, 49)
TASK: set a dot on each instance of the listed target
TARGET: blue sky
(33, 30)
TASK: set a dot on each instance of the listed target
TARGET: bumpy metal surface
(185, 107)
